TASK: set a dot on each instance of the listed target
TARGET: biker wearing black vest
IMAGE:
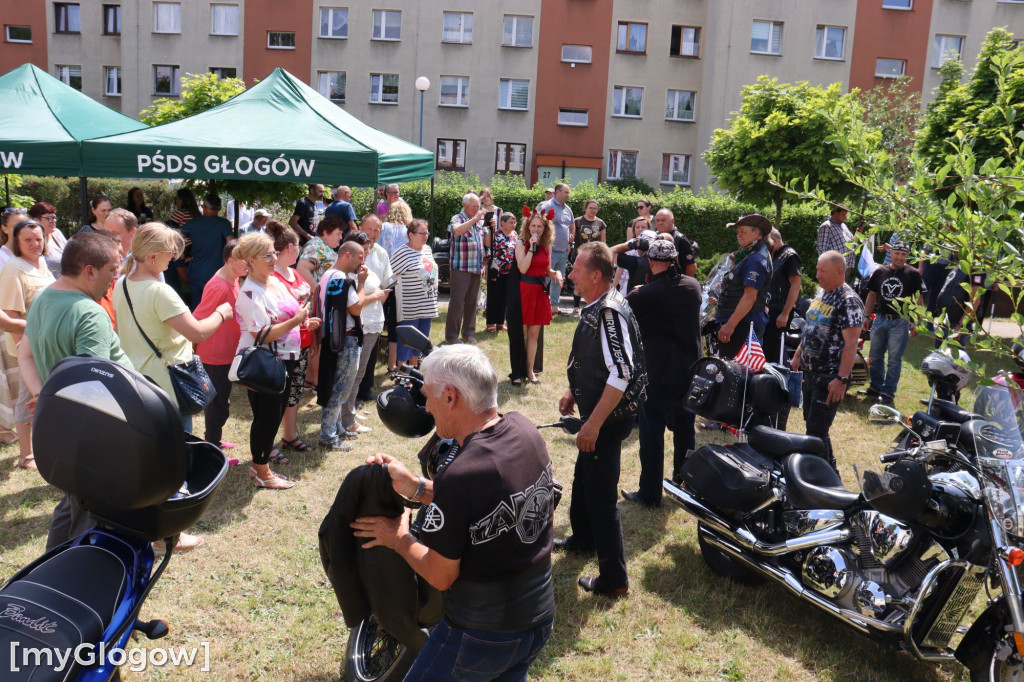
(742, 301)
(783, 292)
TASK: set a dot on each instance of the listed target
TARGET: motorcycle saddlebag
(732, 479)
(716, 391)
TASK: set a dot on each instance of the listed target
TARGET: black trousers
(267, 413)
(818, 414)
(772, 342)
(217, 412)
(497, 296)
(658, 412)
(594, 510)
(516, 337)
(728, 351)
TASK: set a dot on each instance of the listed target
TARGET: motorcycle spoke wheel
(376, 652)
(1010, 670)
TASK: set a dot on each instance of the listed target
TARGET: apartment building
(586, 89)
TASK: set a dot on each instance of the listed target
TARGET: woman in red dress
(533, 257)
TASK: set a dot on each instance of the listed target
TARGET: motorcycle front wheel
(372, 655)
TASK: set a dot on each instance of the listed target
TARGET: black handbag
(192, 386)
(258, 367)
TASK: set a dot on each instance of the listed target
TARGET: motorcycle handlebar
(411, 371)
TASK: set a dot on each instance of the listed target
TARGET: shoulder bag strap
(128, 299)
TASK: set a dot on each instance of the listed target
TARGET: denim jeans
(404, 352)
(888, 336)
(559, 259)
(454, 653)
(344, 376)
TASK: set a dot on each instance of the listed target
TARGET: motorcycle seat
(812, 483)
(949, 411)
(778, 444)
(67, 600)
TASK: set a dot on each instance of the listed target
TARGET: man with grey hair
(467, 231)
(828, 347)
(487, 530)
(562, 244)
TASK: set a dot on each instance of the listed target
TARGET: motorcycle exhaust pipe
(743, 537)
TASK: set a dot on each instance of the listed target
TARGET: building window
(627, 101)
(224, 71)
(334, 22)
(766, 37)
(112, 81)
(675, 169)
(829, 42)
(224, 20)
(681, 105)
(510, 157)
(574, 117)
(67, 17)
(621, 164)
(946, 47)
(454, 91)
(577, 54)
(897, 4)
(331, 85)
(165, 79)
(458, 28)
(451, 155)
(890, 68)
(112, 20)
(70, 75)
(515, 94)
(387, 24)
(632, 38)
(166, 17)
(517, 31)
(384, 88)
(281, 40)
(18, 34)
(685, 41)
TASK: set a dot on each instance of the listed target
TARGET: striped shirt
(467, 248)
(416, 291)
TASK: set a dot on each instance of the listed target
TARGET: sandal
(277, 458)
(517, 382)
(295, 445)
(29, 462)
(274, 481)
(310, 385)
(491, 329)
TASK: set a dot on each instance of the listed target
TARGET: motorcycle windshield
(713, 286)
(1000, 449)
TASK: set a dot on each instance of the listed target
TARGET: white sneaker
(359, 428)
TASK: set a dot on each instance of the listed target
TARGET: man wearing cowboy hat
(741, 303)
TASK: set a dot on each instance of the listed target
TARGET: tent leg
(7, 192)
(83, 198)
(431, 203)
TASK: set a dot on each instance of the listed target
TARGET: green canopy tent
(42, 123)
(278, 130)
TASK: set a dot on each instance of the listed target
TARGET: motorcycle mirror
(413, 338)
(884, 414)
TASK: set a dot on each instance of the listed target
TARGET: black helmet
(901, 492)
(1018, 352)
(403, 414)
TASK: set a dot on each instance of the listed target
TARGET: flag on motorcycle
(751, 355)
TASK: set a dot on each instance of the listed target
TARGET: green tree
(894, 113)
(788, 128)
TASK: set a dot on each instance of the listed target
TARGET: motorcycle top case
(716, 391)
(108, 435)
(732, 479)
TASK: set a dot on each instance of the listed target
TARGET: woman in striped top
(415, 272)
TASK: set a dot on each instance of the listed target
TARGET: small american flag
(751, 355)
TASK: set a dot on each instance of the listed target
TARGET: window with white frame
(331, 84)
(112, 81)
(224, 71)
(387, 24)
(681, 105)
(451, 154)
(890, 68)
(897, 4)
(946, 47)
(223, 20)
(334, 22)
(766, 37)
(574, 117)
(111, 20)
(675, 169)
(514, 94)
(457, 28)
(632, 37)
(384, 88)
(517, 31)
(510, 157)
(454, 91)
(166, 17)
(165, 79)
(18, 34)
(830, 42)
(67, 17)
(685, 41)
(70, 74)
(281, 40)
(627, 101)
(577, 54)
(621, 164)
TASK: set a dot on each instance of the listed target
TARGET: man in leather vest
(742, 300)
(783, 292)
(607, 381)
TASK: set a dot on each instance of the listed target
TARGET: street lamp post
(422, 84)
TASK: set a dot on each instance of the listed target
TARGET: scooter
(111, 438)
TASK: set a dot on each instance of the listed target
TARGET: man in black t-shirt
(303, 220)
(487, 529)
(889, 285)
(665, 223)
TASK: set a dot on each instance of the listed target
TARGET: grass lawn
(257, 593)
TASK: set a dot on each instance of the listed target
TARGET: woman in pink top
(218, 351)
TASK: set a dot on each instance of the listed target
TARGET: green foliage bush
(63, 193)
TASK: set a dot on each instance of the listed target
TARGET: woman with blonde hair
(533, 256)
